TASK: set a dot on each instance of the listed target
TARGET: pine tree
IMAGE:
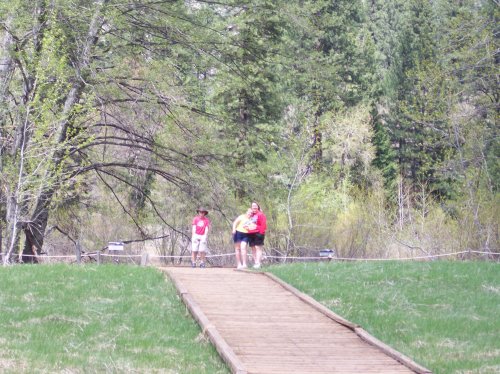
(246, 86)
(332, 57)
(412, 94)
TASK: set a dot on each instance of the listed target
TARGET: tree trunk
(6, 63)
(6, 68)
(317, 145)
(12, 229)
(14, 206)
(34, 230)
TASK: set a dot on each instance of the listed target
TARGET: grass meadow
(119, 318)
(444, 315)
(97, 319)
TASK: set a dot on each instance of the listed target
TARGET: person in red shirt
(201, 225)
(257, 234)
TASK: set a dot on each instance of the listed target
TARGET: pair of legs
(257, 255)
(240, 249)
(256, 244)
(199, 248)
(240, 252)
(194, 255)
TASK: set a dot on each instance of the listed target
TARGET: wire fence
(227, 259)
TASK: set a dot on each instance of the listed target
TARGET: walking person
(199, 236)
(240, 238)
(257, 234)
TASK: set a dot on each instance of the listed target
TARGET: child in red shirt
(201, 225)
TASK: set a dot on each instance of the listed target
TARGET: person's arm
(263, 225)
(236, 223)
(193, 228)
(207, 228)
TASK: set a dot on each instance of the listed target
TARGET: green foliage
(425, 145)
(307, 215)
(355, 231)
(318, 194)
(319, 110)
(426, 66)
(385, 155)
(327, 53)
(347, 144)
(246, 87)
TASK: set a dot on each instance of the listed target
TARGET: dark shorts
(239, 237)
(256, 239)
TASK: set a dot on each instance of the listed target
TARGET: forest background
(364, 126)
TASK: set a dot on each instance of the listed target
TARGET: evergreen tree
(246, 87)
(331, 58)
(412, 95)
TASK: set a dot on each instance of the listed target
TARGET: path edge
(363, 334)
(224, 350)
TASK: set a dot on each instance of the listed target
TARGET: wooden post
(78, 248)
(98, 257)
(144, 259)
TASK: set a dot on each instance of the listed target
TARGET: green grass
(89, 319)
(444, 315)
(109, 318)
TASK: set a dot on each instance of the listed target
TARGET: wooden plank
(391, 352)
(272, 329)
(226, 352)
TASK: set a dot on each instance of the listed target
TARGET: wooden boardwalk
(259, 324)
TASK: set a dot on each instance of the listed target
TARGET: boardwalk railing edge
(363, 334)
(225, 351)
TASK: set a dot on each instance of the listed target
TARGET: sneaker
(243, 266)
(202, 264)
(239, 267)
(193, 264)
(256, 266)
